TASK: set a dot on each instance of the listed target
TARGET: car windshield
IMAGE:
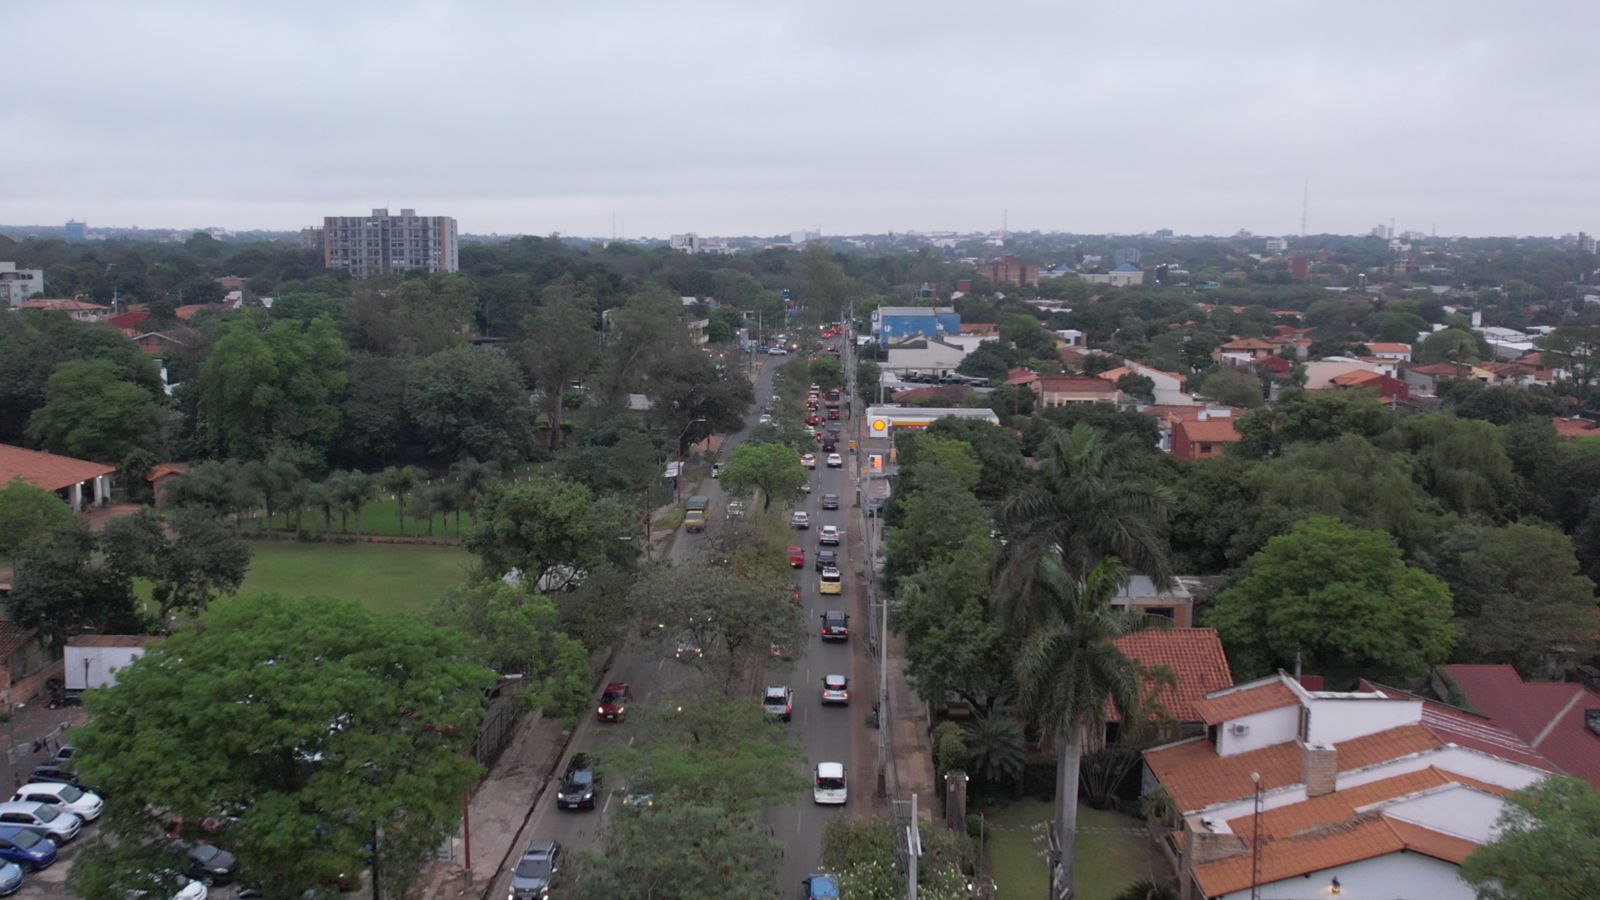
(611, 697)
(24, 839)
(581, 778)
(69, 794)
(45, 813)
(203, 853)
(830, 575)
(534, 867)
(835, 682)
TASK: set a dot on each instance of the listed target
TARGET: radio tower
(1305, 204)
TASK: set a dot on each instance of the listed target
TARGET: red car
(833, 415)
(797, 557)
(813, 420)
(614, 702)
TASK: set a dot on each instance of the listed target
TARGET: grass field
(1109, 855)
(390, 578)
(378, 517)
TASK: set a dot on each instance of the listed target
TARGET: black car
(53, 774)
(827, 557)
(579, 786)
(835, 626)
(830, 501)
(207, 862)
(830, 443)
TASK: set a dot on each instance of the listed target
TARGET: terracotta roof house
(1248, 348)
(79, 310)
(161, 479)
(1383, 790)
(1387, 387)
(1060, 390)
(1203, 438)
(1390, 350)
(1072, 357)
(1195, 659)
(62, 475)
(128, 322)
(1170, 388)
(1570, 429)
(1560, 720)
(1021, 377)
(983, 328)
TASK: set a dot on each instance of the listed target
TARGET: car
(64, 754)
(47, 821)
(805, 488)
(831, 582)
(813, 420)
(809, 460)
(778, 351)
(579, 786)
(835, 689)
(763, 349)
(10, 879)
(829, 536)
(778, 702)
(835, 625)
(207, 862)
(536, 871)
(830, 443)
(829, 787)
(735, 509)
(614, 702)
(764, 419)
(800, 519)
(833, 414)
(875, 506)
(830, 501)
(60, 775)
(835, 461)
(26, 848)
(716, 470)
(827, 559)
(687, 649)
(77, 801)
(819, 887)
(639, 793)
(797, 557)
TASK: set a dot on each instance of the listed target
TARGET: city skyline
(723, 119)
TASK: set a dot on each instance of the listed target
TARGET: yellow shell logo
(879, 425)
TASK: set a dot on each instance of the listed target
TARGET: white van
(829, 787)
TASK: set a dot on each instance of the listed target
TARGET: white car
(829, 536)
(764, 419)
(75, 800)
(777, 351)
(800, 519)
(829, 787)
(809, 460)
(835, 689)
(42, 819)
(835, 461)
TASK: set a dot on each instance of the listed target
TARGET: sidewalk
(36, 723)
(910, 740)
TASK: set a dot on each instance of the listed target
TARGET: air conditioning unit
(1238, 729)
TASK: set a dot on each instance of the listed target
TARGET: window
(1205, 448)
(1165, 612)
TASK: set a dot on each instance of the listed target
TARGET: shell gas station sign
(882, 420)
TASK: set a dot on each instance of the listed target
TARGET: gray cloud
(733, 117)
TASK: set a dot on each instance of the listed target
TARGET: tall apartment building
(17, 285)
(382, 244)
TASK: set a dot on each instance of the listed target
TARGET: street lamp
(677, 483)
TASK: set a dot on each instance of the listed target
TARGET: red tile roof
(62, 305)
(979, 328)
(1355, 377)
(1075, 384)
(1021, 376)
(1548, 716)
(1209, 431)
(165, 469)
(1366, 838)
(1195, 658)
(1341, 806)
(47, 470)
(130, 319)
(1574, 428)
(1246, 701)
(114, 640)
(1388, 347)
(1247, 344)
(1441, 370)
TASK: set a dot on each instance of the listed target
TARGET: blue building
(894, 323)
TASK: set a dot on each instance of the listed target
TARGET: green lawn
(1110, 856)
(380, 517)
(402, 578)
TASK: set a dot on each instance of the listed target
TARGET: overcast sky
(739, 117)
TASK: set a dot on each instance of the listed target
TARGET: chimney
(1319, 768)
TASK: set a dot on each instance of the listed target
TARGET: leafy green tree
(996, 753)
(201, 561)
(1233, 388)
(931, 524)
(374, 419)
(265, 386)
(692, 848)
(91, 413)
(1517, 591)
(29, 515)
(551, 530)
(559, 346)
(718, 750)
(997, 451)
(1470, 398)
(269, 481)
(771, 468)
(689, 396)
(1339, 599)
(1140, 387)
(735, 614)
(1576, 348)
(1023, 331)
(1449, 345)
(62, 587)
(1301, 417)
(1547, 846)
(1078, 511)
(824, 290)
(322, 725)
(468, 402)
(827, 373)
(352, 491)
(1460, 462)
(34, 345)
(515, 631)
(860, 853)
(1069, 669)
(989, 360)
(398, 482)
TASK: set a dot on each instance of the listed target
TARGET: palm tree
(995, 753)
(323, 497)
(471, 477)
(1069, 668)
(399, 481)
(355, 492)
(270, 479)
(1079, 512)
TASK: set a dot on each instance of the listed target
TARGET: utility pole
(913, 850)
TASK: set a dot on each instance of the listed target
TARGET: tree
(91, 413)
(1139, 387)
(1233, 388)
(1576, 348)
(1069, 669)
(559, 347)
(989, 360)
(1078, 511)
(33, 346)
(322, 725)
(352, 491)
(823, 290)
(265, 386)
(1517, 591)
(826, 373)
(270, 481)
(1547, 846)
(954, 643)
(62, 588)
(734, 613)
(1023, 331)
(201, 561)
(28, 516)
(861, 854)
(514, 631)
(1338, 599)
(719, 750)
(398, 481)
(551, 530)
(470, 402)
(771, 468)
(691, 848)
(995, 751)
(1448, 345)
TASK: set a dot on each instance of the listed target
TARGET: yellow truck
(694, 513)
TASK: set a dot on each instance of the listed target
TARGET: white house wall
(1397, 876)
(1336, 720)
(1461, 811)
(1264, 729)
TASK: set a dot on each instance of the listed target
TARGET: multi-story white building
(694, 243)
(17, 285)
(381, 244)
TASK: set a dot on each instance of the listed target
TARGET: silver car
(45, 820)
(535, 871)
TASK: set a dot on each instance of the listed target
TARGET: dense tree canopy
(1548, 845)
